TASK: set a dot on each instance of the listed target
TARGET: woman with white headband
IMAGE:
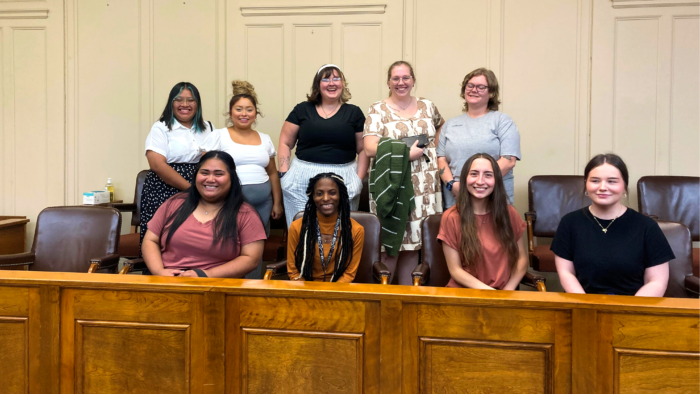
(327, 133)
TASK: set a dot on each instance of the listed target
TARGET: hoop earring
(585, 193)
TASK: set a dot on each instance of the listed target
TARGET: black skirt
(156, 192)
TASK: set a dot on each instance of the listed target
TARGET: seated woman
(325, 245)
(207, 231)
(631, 260)
(481, 234)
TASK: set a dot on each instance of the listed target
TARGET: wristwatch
(449, 185)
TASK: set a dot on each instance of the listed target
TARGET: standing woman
(608, 248)
(328, 135)
(173, 148)
(253, 152)
(398, 116)
(480, 129)
(481, 234)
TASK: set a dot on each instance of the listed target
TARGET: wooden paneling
(362, 62)
(13, 354)
(483, 366)
(685, 95)
(157, 353)
(312, 47)
(189, 335)
(282, 361)
(656, 372)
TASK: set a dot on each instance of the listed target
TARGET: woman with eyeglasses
(480, 129)
(327, 133)
(173, 148)
(399, 116)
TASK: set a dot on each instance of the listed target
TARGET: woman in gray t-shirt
(482, 129)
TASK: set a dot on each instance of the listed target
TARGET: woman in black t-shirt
(327, 133)
(607, 248)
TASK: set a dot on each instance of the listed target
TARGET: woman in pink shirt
(481, 234)
(207, 231)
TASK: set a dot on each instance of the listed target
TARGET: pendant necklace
(332, 112)
(605, 229)
(402, 108)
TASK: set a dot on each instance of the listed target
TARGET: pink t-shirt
(492, 267)
(191, 245)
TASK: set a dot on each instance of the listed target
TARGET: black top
(612, 262)
(327, 141)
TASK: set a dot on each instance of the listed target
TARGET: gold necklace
(402, 108)
(332, 112)
(605, 229)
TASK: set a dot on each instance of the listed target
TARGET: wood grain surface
(80, 333)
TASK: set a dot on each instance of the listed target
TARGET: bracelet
(281, 174)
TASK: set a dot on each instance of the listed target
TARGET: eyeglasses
(479, 88)
(405, 79)
(182, 100)
(335, 79)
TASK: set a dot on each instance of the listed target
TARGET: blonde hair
(242, 89)
(396, 64)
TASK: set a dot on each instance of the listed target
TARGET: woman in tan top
(481, 234)
(325, 230)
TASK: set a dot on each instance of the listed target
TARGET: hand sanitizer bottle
(109, 187)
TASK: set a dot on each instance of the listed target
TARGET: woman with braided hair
(326, 244)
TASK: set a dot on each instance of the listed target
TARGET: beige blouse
(382, 121)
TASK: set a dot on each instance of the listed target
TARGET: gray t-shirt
(494, 133)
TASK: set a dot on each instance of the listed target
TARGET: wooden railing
(94, 333)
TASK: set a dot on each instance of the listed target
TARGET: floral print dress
(382, 121)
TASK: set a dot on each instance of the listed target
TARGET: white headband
(326, 66)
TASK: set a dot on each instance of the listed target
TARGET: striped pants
(295, 182)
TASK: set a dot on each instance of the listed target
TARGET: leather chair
(371, 269)
(550, 197)
(433, 271)
(681, 281)
(130, 244)
(72, 239)
(364, 196)
(675, 199)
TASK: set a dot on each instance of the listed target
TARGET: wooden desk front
(96, 333)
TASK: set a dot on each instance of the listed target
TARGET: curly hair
(306, 248)
(492, 81)
(315, 95)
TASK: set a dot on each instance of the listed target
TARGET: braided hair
(307, 246)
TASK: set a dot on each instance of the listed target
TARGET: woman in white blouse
(173, 148)
(252, 151)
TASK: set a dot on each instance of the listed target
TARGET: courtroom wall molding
(653, 3)
(24, 14)
(348, 9)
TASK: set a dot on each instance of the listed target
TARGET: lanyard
(320, 245)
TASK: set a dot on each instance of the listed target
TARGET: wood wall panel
(14, 354)
(302, 314)
(656, 372)
(159, 352)
(442, 57)
(682, 333)
(108, 96)
(31, 138)
(14, 301)
(468, 322)
(482, 366)
(685, 96)
(132, 306)
(265, 44)
(634, 102)
(312, 47)
(361, 53)
(283, 361)
(184, 48)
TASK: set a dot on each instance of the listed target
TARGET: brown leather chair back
(371, 251)
(432, 254)
(364, 196)
(66, 238)
(140, 180)
(671, 198)
(678, 236)
(553, 196)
